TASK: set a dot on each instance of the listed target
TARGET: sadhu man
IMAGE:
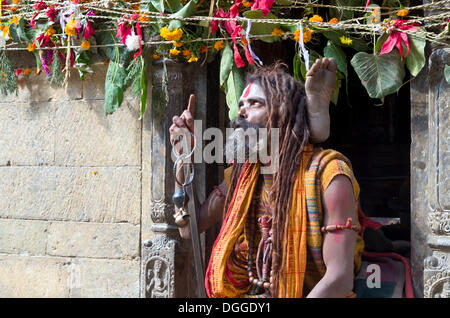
(292, 233)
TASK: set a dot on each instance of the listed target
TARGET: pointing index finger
(191, 105)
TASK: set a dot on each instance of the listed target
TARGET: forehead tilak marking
(247, 90)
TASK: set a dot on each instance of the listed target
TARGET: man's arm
(208, 213)
(338, 247)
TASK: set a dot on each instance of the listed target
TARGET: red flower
(88, 30)
(51, 14)
(18, 71)
(139, 32)
(123, 31)
(264, 5)
(214, 23)
(397, 37)
(40, 6)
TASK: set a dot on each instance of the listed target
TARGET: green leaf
(82, 63)
(313, 56)
(335, 94)
(18, 32)
(114, 53)
(261, 28)
(38, 61)
(233, 89)
(114, 86)
(173, 5)
(296, 63)
(381, 41)
(158, 5)
(8, 82)
(332, 50)
(415, 60)
(143, 84)
(226, 63)
(358, 44)
(447, 73)
(188, 10)
(289, 27)
(381, 75)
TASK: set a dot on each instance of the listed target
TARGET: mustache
(242, 123)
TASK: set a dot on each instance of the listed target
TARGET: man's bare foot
(320, 83)
(319, 86)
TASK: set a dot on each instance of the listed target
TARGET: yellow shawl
(219, 281)
(317, 169)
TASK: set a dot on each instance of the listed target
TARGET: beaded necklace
(264, 253)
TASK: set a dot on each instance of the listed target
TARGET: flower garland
(64, 34)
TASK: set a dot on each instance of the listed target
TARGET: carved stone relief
(158, 267)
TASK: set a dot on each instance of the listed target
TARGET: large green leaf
(381, 75)
(158, 5)
(447, 73)
(261, 28)
(415, 60)
(332, 50)
(188, 10)
(173, 5)
(226, 64)
(233, 88)
(114, 86)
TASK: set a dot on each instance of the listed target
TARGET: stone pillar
(437, 266)
(161, 275)
(167, 268)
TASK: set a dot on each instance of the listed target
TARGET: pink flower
(51, 14)
(214, 23)
(88, 30)
(18, 71)
(397, 37)
(40, 6)
(264, 5)
(79, 28)
(123, 31)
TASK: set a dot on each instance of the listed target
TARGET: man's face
(252, 105)
(252, 114)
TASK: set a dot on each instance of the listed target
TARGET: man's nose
(242, 113)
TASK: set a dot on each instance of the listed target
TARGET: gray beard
(239, 149)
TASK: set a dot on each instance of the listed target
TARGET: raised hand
(183, 124)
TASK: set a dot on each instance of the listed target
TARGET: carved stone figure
(158, 278)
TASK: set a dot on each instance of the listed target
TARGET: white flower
(2, 40)
(132, 42)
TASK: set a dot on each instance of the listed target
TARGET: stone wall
(70, 191)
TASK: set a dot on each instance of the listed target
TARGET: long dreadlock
(286, 106)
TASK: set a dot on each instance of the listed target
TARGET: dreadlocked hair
(286, 106)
